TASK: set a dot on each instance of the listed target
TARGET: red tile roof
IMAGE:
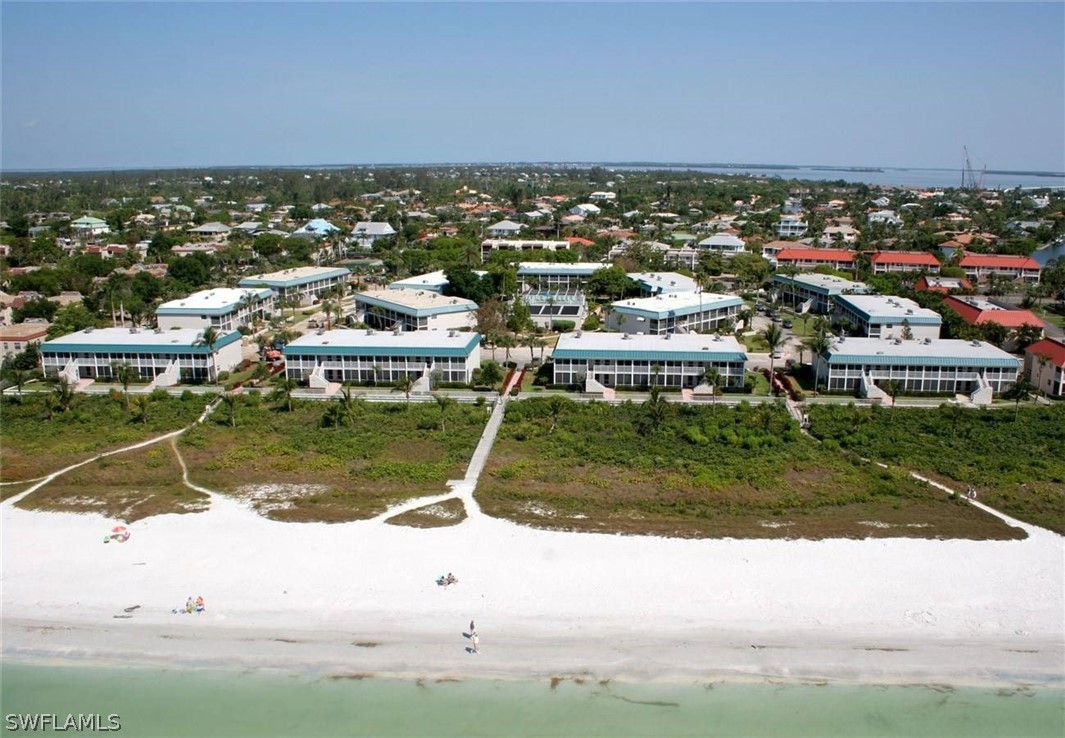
(1053, 348)
(577, 240)
(905, 257)
(998, 261)
(815, 255)
(974, 315)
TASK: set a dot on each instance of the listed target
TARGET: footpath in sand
(361, 598)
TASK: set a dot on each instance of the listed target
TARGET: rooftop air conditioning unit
(132, 330)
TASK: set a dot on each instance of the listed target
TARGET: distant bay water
(205, 703)
(885, 177)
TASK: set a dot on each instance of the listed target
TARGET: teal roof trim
(384, 350)
(954, 361)
(656, 355)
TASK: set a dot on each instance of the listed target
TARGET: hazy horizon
(109, 86)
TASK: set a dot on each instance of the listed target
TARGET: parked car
(778, 354)
(787, 324)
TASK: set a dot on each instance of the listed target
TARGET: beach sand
(361, 599)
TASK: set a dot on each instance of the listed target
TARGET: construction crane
(969, 180)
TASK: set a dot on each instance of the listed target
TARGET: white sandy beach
(300, 596)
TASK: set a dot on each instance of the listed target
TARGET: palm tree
(774, 336)
(282, 393)
(328, 307)
(712, 377)
(656, 370)
(892, 387)
(555, 406)
(1019, 391)
(376, 369)
(819, 345)
(404, 384)
(506, 342)
(64, 394)
(141, 403)
(51, 404)
(231, 401)
(443, 402)
(657, 408)
(209, 337)
(124, 372)
(18, 378)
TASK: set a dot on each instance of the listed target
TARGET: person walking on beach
(473, 631)
(476, 643)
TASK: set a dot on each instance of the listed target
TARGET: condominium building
(305, 284)
(674, 312)
(413, 310)
(904, 261)
(550, 275)
(224, 308)
(625, 360)
(924, 366)
(660, 283)
(168, 357)
(1045, 362)
(371, 356)
(510, 244)
(801, 258)
(981, 267)
(886, 316)
(815, 293)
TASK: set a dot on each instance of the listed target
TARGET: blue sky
(117, 85)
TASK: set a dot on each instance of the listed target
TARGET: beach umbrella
(120, 533)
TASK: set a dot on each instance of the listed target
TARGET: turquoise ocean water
(215, 703)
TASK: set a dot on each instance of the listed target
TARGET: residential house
(504, 229)
(366, 233)
(725, 244)
(942, 285)
(14, 339)
(791, 226)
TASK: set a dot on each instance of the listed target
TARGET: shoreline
(300, 598)
(668, 658)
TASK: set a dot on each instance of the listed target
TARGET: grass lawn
(33, 446)
(129, 487)
(1050, 316)
(290, 467)
(1017, 465)
(743, 472)
(761, 384)
(440, 515)
(755, 344)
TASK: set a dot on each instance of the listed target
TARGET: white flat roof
(918, 351)
(120, 339)
(667, 281)
(551, 267)
(414, 298)
(432, 279)
(674, 301)
(878, 307)
(686, 346)
(287, 277)
(219, 299)
(387, 342)
(828, 282)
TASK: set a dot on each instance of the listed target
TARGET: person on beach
(476, 643)
(199, 604)
(188, 605)
(473, 631)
